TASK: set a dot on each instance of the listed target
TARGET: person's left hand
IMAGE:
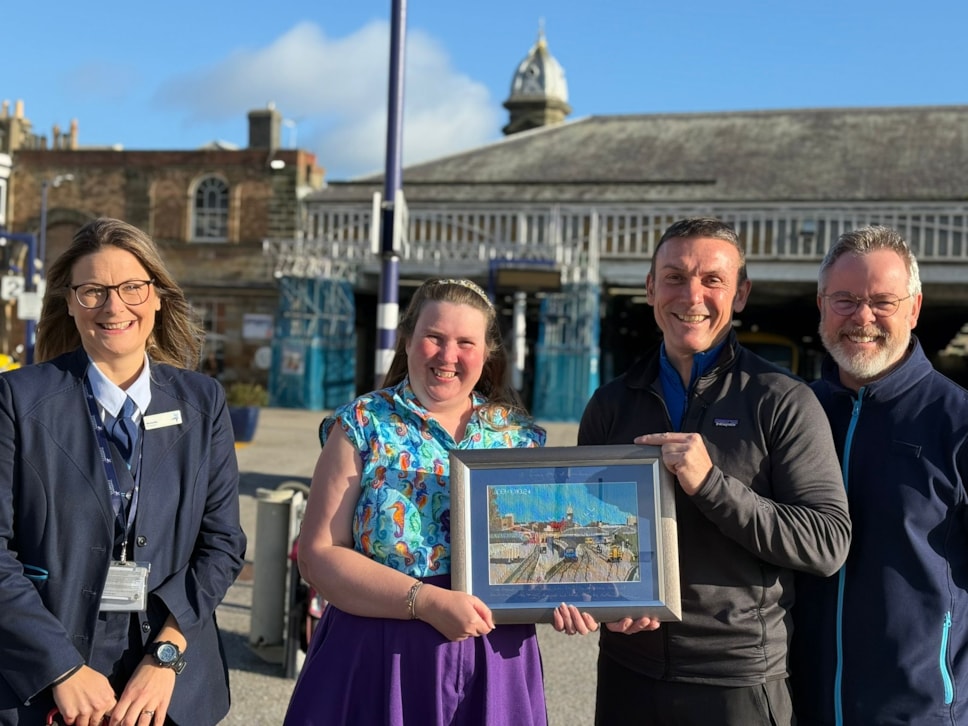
(685, 455)
(568, 619)
(146, 696)
(628, 626)
(456, 615)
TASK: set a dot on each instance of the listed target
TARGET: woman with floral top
(396, 645)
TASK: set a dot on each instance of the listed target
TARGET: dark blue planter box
(244, 421)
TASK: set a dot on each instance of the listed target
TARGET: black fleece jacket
(773, 504)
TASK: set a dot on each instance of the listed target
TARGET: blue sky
(613, 502)
(178, 74)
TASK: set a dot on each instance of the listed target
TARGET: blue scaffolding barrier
(567, 353)
(314, 346)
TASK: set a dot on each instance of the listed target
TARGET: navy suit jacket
(57, 530)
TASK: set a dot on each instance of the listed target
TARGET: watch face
(167, 653)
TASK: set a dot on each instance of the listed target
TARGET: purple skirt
(384, 672)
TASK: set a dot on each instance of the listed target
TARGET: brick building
(209, 210)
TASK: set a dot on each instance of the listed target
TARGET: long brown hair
(176, 338)
(494, 383)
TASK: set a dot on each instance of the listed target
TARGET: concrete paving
(284, 453)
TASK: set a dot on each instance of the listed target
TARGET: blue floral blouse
(403, 517)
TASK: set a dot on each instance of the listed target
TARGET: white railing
(467, 240)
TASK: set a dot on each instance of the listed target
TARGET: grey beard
(867, 366)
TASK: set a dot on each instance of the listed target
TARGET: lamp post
(42, 238)
(37, 260)
(388, 306)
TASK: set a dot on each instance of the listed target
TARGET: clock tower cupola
(539, 93)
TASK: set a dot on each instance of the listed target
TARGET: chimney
(265, 128)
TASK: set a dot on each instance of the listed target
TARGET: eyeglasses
(91, 296)
(883, 306)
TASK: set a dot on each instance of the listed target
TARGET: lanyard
(114, 483)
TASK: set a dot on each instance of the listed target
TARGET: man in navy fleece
(885, 641)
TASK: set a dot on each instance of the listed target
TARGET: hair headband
(472, 286)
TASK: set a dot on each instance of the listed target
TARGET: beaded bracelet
(412, 598)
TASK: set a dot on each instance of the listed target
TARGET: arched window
(211, 210)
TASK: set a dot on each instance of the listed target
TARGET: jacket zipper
(949, 688)
(841, 576)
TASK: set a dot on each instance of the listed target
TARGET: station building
(557, 220)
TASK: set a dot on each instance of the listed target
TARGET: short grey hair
(863, 241)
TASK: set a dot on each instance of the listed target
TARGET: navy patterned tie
(124, 432)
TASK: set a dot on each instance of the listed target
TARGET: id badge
(126, 589)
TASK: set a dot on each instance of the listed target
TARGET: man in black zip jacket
(885, 641)
(759, 496)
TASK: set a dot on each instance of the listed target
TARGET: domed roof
(539, 75)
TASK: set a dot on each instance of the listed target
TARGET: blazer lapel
(78, 445)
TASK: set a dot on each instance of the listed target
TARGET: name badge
(160, 420)
(126, 589)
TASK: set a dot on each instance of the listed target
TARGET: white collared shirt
(110, 397)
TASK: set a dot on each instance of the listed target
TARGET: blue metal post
(388, 305)
(30, 325)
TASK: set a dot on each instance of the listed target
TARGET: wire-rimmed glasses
(92, 296)
(883, 306)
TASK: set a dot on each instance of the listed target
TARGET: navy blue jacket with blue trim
(903, 441)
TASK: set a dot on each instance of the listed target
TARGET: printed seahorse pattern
(403, 516)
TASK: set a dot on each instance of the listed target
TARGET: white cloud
(336, 92)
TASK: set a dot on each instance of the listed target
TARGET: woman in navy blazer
(115, 326)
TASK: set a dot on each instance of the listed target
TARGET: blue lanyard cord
(114, 483)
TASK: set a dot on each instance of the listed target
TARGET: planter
(244, 422)
(244, 401)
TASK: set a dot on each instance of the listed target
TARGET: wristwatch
(167, 655)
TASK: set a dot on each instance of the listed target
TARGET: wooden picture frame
(590, 526)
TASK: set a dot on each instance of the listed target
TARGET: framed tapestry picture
(590, 526)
